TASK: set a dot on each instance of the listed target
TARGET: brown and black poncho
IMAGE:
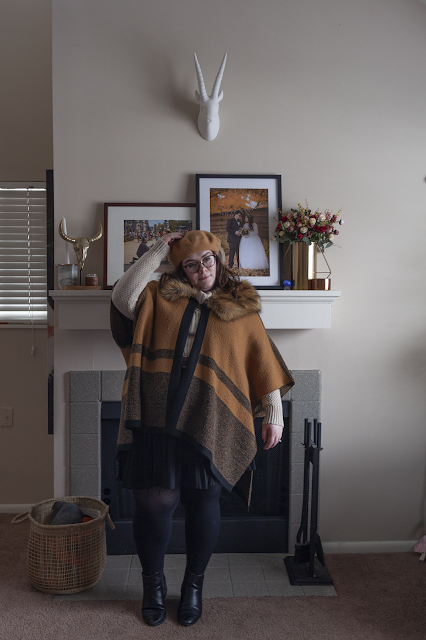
(233, 364)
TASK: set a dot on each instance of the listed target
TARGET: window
(23, 278)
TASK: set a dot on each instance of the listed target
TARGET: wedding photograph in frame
(130, 229)
(242, 210)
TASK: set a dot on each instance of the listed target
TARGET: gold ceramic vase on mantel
(304, 267)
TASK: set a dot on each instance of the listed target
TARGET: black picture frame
(242, 185)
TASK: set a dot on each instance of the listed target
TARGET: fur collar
(224, 305)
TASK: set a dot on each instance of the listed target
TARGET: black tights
(152, 525)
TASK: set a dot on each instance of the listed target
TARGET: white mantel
(83, 309)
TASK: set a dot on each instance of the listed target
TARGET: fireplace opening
(261, 529)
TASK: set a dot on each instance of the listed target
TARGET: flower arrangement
(301, 225)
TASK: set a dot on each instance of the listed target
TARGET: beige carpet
(380, 597)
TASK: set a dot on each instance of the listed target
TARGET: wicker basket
(66, 558)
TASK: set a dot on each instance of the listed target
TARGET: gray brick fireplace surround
(88, 389)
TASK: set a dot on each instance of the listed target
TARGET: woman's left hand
(271, 435)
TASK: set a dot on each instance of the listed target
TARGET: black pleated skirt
(162, 460)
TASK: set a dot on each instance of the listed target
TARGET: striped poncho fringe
(211, 402)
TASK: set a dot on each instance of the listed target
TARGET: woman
(252, 253)
(199, 362)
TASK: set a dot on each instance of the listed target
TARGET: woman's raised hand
(172, 237)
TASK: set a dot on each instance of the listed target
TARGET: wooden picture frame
(119, 216)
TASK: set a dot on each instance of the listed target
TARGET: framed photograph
(242, 210)
(131, 229)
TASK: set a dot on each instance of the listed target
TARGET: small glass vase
(68, 275)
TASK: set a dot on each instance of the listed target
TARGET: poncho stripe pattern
(210, 402)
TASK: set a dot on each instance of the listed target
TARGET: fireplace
(94, 397)
(263, 528)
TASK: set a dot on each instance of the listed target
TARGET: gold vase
(300, 263)
(303, 264)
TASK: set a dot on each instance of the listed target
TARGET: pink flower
(298, 225)
(291, 229)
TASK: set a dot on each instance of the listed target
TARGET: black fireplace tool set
(307, 566)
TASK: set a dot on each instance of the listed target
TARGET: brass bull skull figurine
(81, 245)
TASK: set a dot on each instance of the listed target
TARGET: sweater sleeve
(128, 289)
(273, 409)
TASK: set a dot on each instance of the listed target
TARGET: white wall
(331, 95)
(26, 449)
(26, 89)
(26, 151)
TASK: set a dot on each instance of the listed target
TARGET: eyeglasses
(207, 261)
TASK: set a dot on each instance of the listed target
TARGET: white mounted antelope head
(208, 118)
(81, 245)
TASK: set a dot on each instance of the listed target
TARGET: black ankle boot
(154, 592)
(190, 606)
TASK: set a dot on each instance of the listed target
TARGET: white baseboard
(15, 508)
(374, 546)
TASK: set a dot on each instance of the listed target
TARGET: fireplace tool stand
(307, 566)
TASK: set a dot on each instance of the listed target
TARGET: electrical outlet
(7, 417)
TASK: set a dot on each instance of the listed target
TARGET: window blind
(23, 277)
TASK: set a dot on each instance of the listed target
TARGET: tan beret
(193, 242)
